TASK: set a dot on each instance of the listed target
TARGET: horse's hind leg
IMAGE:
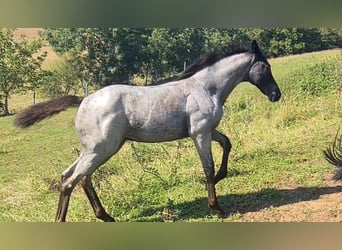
(63, 203)
(68, 172)
(65, 193)
(226, 146)
(85, 165)
(94, 200)
(82, 169)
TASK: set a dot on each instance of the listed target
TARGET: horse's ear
(254, 46)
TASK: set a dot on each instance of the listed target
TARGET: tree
(109, 55)
(216, 38)
(169, 49)
(331, 38)
(279, 41)
(106, 56)
(20, 65)
(63, 79)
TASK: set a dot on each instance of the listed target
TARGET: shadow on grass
(240, 203)
(6, 115)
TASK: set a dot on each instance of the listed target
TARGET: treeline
(104, 56)
(112, 55)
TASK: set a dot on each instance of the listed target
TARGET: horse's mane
(213, 57)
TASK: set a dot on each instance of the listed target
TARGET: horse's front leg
(203, 145)
(226, 146)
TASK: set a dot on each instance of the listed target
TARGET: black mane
(213, 57)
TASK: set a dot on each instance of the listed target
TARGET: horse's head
(261, 76)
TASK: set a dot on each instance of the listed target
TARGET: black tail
(46, 109)
(333, 154)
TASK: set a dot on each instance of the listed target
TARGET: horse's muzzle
(275, 95)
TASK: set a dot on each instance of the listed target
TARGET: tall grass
(276, 146)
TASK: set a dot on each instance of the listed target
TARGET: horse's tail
(333, 154)
(46, 109)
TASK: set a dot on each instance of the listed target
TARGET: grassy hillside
(276, 157)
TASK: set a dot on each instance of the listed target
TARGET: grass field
(276, 160)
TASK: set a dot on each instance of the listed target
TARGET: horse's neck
(222, 77)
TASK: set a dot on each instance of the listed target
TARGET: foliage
(109, 55)
(146, 155)
(170, 48)
(115, 55)
(277, 42)
(20, 66)
(216, 38)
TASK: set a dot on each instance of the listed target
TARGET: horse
(333, 155)
(191, 106)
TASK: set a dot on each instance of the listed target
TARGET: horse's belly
(155, 137)
(159, 132)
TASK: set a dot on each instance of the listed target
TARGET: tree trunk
(6, 104)
(129, 79)
(146, 77)
(34, 98)
(85, 88)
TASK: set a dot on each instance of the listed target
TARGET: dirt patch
(325, 205)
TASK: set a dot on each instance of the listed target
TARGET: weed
(145, 155)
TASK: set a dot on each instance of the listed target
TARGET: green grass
(276, 146)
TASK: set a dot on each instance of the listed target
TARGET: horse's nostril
(275, 96)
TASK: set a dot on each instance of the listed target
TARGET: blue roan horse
(191, 106)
